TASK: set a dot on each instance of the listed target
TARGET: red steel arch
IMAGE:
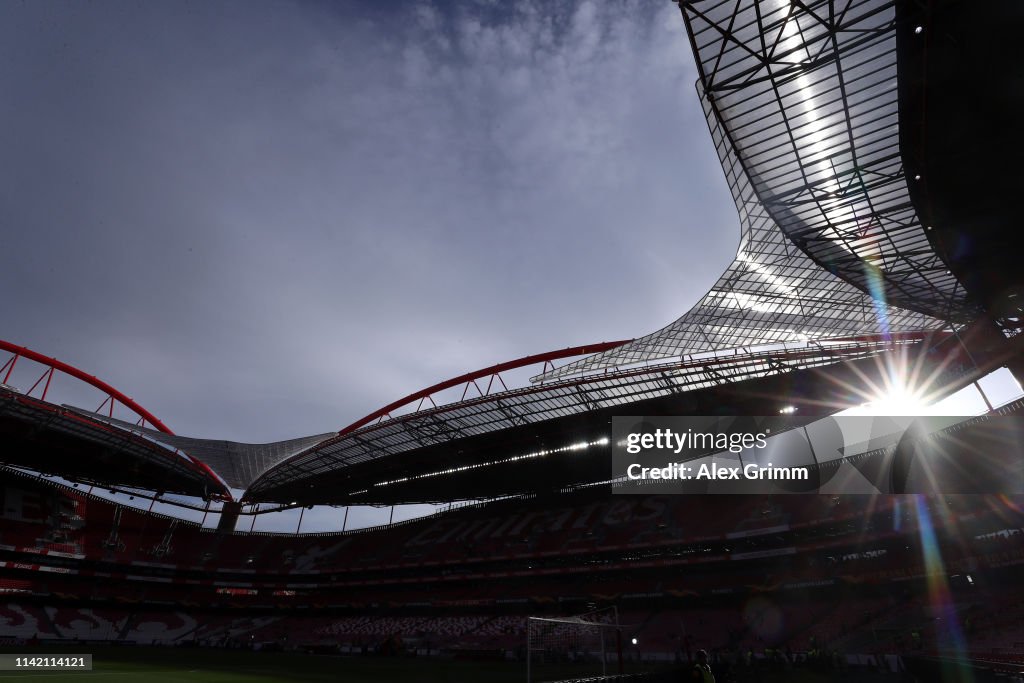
(113, 395)
(70, 370)
(469, 379)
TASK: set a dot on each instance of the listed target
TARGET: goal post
(582, 645)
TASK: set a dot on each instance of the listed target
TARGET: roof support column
(229, 516)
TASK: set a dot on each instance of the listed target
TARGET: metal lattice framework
(801, 100)
(237, 464)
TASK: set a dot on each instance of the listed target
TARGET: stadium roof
(498, 443)
(801, 100)
(494, 441)
(56, 439)
(237, 464)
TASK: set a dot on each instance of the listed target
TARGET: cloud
(269, 221)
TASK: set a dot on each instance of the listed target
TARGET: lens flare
(1014, 504)
(876, 287)
(939, 598)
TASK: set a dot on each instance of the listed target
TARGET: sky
(264, 220)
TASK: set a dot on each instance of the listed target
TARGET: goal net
(581, 646)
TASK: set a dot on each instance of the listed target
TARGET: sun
(901, 386)
(898, 400)
(900, 394)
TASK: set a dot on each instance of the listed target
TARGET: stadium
(870, 266)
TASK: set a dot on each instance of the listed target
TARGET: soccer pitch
(194, 665)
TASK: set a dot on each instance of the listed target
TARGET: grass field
(192, 665)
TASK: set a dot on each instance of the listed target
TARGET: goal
(584, 645)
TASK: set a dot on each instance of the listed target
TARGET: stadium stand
(786, 574)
